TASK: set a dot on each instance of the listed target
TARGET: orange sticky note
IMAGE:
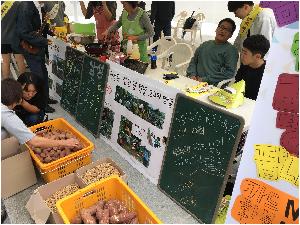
(262, 203)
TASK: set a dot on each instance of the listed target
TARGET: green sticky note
(295, 50)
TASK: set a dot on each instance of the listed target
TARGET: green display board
(71, 84)
(91, 94)
(200, 149)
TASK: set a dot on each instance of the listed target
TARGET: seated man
(215, 60)
(252, 69)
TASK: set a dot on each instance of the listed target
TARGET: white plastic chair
(163, 44)
(180, 22)
(177, 58)
(196, 26)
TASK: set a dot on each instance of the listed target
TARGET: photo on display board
(58, 65)
(152, 139)
(107, 122)
(139, 107)
(131, 143)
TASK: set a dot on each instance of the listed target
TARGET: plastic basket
(110, 188)
(68, 164)
(87, 29)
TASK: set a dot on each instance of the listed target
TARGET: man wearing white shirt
(256, 20)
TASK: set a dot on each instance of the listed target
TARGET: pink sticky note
(286, 96)
(287, 120)
(285, 12)
(290, 140)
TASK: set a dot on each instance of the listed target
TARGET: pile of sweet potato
(48, 155)
(106, 212)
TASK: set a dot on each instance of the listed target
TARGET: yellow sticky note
(269, 153)
(290, 170)
(268, 170)
(275, 162)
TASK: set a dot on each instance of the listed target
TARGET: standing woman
(32, 108)
(136, 26)
(105, 16)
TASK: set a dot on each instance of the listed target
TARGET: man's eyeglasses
(225, 28)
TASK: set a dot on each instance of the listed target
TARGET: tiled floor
(161, 205)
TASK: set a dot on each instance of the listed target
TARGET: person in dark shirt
(253, 64)
(162, 13)
(32, 109)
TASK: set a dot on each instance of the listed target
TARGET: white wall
(214, 11)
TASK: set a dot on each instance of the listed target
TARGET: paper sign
(286, 96)
(274, 163)
(260, 203)
(287, 120)
(285, 12)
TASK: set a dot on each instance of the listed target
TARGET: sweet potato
(103, 217)
(113, 209)
(62, 154)
(100, 204)
(67, 151)
(87, 215)
(121, 206)
(40, 158)
(37, 150)
(68, 135)
(134, 220)
(77, 219)
(122, 218)
(52, 152)
(48, 159)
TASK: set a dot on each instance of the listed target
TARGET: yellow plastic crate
(68, 164)
(110, 188)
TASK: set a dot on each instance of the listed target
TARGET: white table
(245, 110)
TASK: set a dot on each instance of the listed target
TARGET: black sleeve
(239, 74)
(173, 9)
(89, 11)
(112, 7)
(153, 11)
(25, 29)
(39, 101)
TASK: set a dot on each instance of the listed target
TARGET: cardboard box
(83, 169)
(17, 171)
(36, 205)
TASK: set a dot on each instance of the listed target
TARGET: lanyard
(5, 8)
(248, 20)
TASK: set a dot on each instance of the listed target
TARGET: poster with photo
(267, 185)
(136, 119)
(56, 66)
